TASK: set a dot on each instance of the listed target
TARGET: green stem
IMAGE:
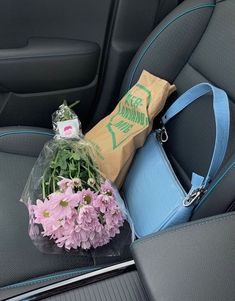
(70, 174)
(43, 188)
(53, 183)
(74, 104)
(51, 177)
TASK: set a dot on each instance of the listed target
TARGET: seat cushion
(22, 266)
(19, 259)
(195, 43)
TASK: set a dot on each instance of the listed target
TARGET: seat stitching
(209, 5)
(199, 72)
(21, 132)
(44, 279)
(193, 50)
(206, 78)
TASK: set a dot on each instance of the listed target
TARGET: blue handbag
(153, 194)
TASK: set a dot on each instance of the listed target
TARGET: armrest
(194, 261)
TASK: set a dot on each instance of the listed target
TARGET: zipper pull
(193, 197)
(162, 134)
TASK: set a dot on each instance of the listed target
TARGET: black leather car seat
(176, 277)
(195, 43)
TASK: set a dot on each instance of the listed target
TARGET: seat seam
(145, 50)
(42, 279)
(198, 71)
(21, 132)
(17, 154)
(185, 228)
(206, 78)
(196, 46)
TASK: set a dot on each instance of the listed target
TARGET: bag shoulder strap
(222, 122)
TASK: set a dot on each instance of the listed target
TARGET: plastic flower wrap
(71, 206)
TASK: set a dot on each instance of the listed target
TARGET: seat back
(195, 43)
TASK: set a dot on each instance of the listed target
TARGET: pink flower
(68, 236)
(87, 217)
(102, 202)
(88, 226)
(42, 211)
(114, 216)
(63, 203)
(106, 188)
(65, 183)
(86, 196)
(101, 238)
(82, 219)
(53, 228)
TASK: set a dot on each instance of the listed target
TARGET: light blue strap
(222, 122)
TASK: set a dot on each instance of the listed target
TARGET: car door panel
(49, 51)
(48, 65)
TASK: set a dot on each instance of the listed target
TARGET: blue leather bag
(153, 194)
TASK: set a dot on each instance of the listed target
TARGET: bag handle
(222, 122)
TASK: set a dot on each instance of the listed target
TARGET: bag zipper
(167, 160)
(193, 195)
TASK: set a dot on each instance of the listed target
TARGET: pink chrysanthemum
(82, 219)
(65, 183)
(102, 202)
(106, 188)
(86, 196)
(64, 203)
(42, 210)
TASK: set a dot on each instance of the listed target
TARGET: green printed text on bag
(119, 135)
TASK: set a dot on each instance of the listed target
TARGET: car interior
(95, 51)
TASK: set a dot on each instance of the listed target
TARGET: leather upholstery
(194, 44)
(190, 262)
(193, 262)
(21, 140)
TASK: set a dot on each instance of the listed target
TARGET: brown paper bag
(118, 135)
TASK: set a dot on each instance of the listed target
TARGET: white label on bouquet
(69, 129)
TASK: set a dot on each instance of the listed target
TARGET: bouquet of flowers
(71, 206)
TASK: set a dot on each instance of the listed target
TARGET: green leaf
(62, 164)
(76, 156)
(72, 166)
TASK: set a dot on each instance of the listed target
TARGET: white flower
(91, 182)
(77, 182)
